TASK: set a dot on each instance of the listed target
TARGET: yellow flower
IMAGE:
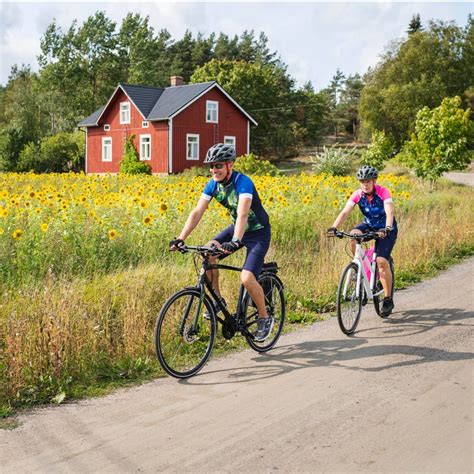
(113, 234)
(163, 207)
(335, 204)
(17, 233)
(1, 231)
(148, 220)
(3, 212)
(143, 204)
(32, 194)
(44, 226)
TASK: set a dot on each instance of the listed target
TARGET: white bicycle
(360, 282)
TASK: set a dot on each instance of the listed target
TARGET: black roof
(156, 103)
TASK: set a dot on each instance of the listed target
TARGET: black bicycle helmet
(219, 153)
(367, 172)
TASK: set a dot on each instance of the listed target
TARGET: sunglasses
(217, 166)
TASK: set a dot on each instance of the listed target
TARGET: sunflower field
(85, 266)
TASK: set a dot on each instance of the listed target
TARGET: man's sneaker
(217, 310)
(264, 328)
(387, 306)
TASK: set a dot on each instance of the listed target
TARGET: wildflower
(163, 207)
(44, 226)
(113, 234)
(17, 233)
(143, 204)
(1, 231)
(335, 204)
(148, 220)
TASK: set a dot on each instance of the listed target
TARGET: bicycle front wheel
(183, 337)
(348, 304)
(276, 308)
(378, 290)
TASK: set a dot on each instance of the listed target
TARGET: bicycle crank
(228, 330)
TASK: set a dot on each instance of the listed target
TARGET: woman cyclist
(375, 203)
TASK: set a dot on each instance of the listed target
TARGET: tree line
(80, 68)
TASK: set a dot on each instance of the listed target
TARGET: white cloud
(314, 39)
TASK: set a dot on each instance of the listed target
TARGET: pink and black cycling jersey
(373, 206)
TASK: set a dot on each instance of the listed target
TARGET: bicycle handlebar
(367, 236)
(211, 250)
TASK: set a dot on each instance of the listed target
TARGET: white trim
(234, 141)
(170, 145)
(350, 202)
(106, 127)
(205, 92)
(141, 143)
(103, 140)
(388, 200)
(248, 137)
(188, 136)
(145, 124)
(208, 103)
(85, 159)
(206, 197)
(129, 113)
(110, 100)
(246, 195)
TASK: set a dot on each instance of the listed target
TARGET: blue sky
(313, 39)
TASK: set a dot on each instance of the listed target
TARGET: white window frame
(106, 145)
(229, 138)
(142, 157)
(106, 127)
(145, 124)
(208, 103)
(125, 107)
(188, 136)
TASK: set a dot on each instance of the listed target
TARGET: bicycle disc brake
(191, 335)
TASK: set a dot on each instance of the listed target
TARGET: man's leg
(255, 291)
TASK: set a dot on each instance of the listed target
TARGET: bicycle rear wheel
(378, 290)
(183, 337)
(348, 305)
(276, 308)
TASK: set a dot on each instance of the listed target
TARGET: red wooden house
(173, 126)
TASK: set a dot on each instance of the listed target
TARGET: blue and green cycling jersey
(228, 194)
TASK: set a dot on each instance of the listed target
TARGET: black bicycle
(184, 335)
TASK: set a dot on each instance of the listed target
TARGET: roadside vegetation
(85, 267)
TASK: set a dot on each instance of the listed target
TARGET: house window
(106, 127)
(106, 149)
(192, 146)
(229, 141)
(212, 111)
(124, 112)
(144, 124)
(145, 147)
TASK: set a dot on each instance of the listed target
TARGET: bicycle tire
(276, 307)
(183, 355)
(379, 287)
(349, 308)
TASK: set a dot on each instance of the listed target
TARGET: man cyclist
(375, 203)
(250, 227)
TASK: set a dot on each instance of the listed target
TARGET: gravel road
(396, 397)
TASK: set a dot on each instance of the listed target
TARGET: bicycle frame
(369, 285)
(203, 284)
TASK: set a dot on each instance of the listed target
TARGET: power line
(285, 107)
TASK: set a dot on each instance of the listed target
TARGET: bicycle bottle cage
(271, 267)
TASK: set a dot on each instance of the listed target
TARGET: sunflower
(44, 226)
(17, 233)
(113, 234)
(148, 220)
(163, 207)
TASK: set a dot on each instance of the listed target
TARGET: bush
(380, 150)
(130, 163)
(251, 164)
(440, 142)
(194, 171)
(57, 154)
(333, 161)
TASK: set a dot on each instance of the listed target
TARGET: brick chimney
(176, 81)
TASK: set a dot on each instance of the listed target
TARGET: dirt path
(396, 397)
(461, 178)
